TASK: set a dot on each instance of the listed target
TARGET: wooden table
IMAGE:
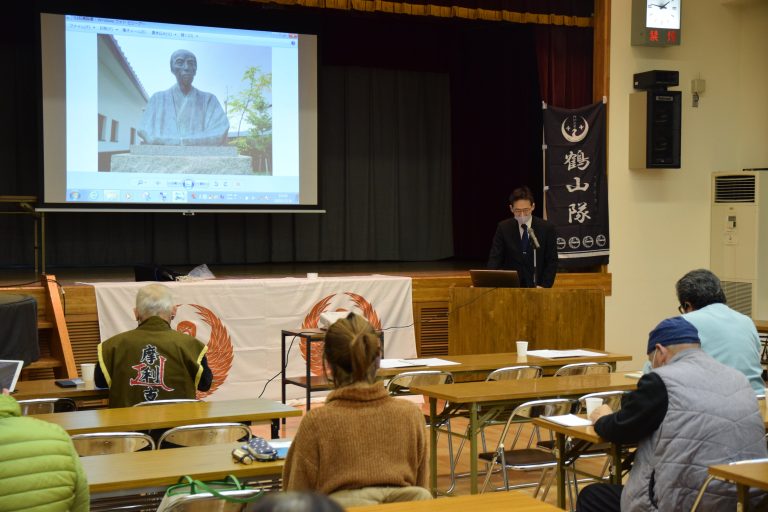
(475, 367)
(490, 502)
(161, 468)
(171, 415)
(745, 474)
(47, 388)
(471, 395)
(565, 456)
(761, 326)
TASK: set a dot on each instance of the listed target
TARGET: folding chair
(506, 373)
(588, 368)
(400, 385)
(204, 434)
(46, 405)
(105, 443)
(525, 459)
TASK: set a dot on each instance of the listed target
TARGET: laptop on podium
(484, 278)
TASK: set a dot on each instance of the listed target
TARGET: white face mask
(523, 219)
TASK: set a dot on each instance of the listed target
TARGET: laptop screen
(9, 373)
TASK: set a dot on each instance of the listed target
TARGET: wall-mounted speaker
(654, 129)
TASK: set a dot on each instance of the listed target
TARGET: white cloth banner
(241, 321)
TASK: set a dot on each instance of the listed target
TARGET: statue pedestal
(182, 160)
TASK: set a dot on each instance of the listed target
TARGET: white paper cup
(522, 348)
(87, 370)
(311, 275)
(592, 404)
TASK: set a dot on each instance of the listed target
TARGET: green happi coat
(151, 362)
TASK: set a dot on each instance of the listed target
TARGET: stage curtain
(385, 183)
(546, 12)
(564, 56)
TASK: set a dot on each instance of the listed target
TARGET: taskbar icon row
(179, 196)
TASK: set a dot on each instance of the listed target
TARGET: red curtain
(564, 56)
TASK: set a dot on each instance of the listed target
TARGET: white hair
(154, 300)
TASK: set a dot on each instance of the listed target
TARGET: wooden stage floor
(72, 275)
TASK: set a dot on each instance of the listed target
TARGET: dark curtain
(496, 131)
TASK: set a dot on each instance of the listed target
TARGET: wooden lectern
(490, 320)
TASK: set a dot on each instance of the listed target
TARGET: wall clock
(656, 22)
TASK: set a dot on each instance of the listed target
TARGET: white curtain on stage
(241, 321)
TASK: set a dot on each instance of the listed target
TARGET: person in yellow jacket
(39, 467)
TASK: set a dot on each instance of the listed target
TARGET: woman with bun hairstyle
(362, 447)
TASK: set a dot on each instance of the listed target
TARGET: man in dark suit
(518, 239)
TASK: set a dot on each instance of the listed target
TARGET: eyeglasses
(681, 309)
(523, 211)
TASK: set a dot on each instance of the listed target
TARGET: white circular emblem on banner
(600, 240)
(560, 243)
(588, 241)
(574, 242)
(574, 128)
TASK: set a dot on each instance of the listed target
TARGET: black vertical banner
(576, 184)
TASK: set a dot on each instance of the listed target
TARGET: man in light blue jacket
(725, 334)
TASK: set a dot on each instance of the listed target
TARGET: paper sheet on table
(634, 375)
(405, 363)
(554, 354)
(569, 420)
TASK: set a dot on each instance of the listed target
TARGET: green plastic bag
(189, 486)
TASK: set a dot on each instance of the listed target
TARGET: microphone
(534, 240)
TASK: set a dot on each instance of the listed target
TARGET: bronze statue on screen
(184, 115)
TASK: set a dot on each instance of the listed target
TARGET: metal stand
(24, 206)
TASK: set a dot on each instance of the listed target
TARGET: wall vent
(738, 296)
(735, 189)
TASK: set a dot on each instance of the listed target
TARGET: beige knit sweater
(361, 437)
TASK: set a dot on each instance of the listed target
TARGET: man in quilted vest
(687, 414)
(153, 361)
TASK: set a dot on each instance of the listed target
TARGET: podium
(491, 320)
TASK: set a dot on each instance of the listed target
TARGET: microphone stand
(534, 266)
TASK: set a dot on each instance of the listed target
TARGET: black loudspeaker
(655, 122)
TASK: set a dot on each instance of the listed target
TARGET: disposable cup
(592, 404)
(522, 348)
(311, 275)
(87, 370)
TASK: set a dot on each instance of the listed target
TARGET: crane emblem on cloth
(220, 352)
(311, 322)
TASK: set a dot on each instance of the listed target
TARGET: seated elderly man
(39, 467)
(689, 413)
(152, 362)
(725, 334)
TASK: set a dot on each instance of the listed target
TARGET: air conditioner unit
(739, 239)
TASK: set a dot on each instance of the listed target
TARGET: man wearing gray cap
(689, 413)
